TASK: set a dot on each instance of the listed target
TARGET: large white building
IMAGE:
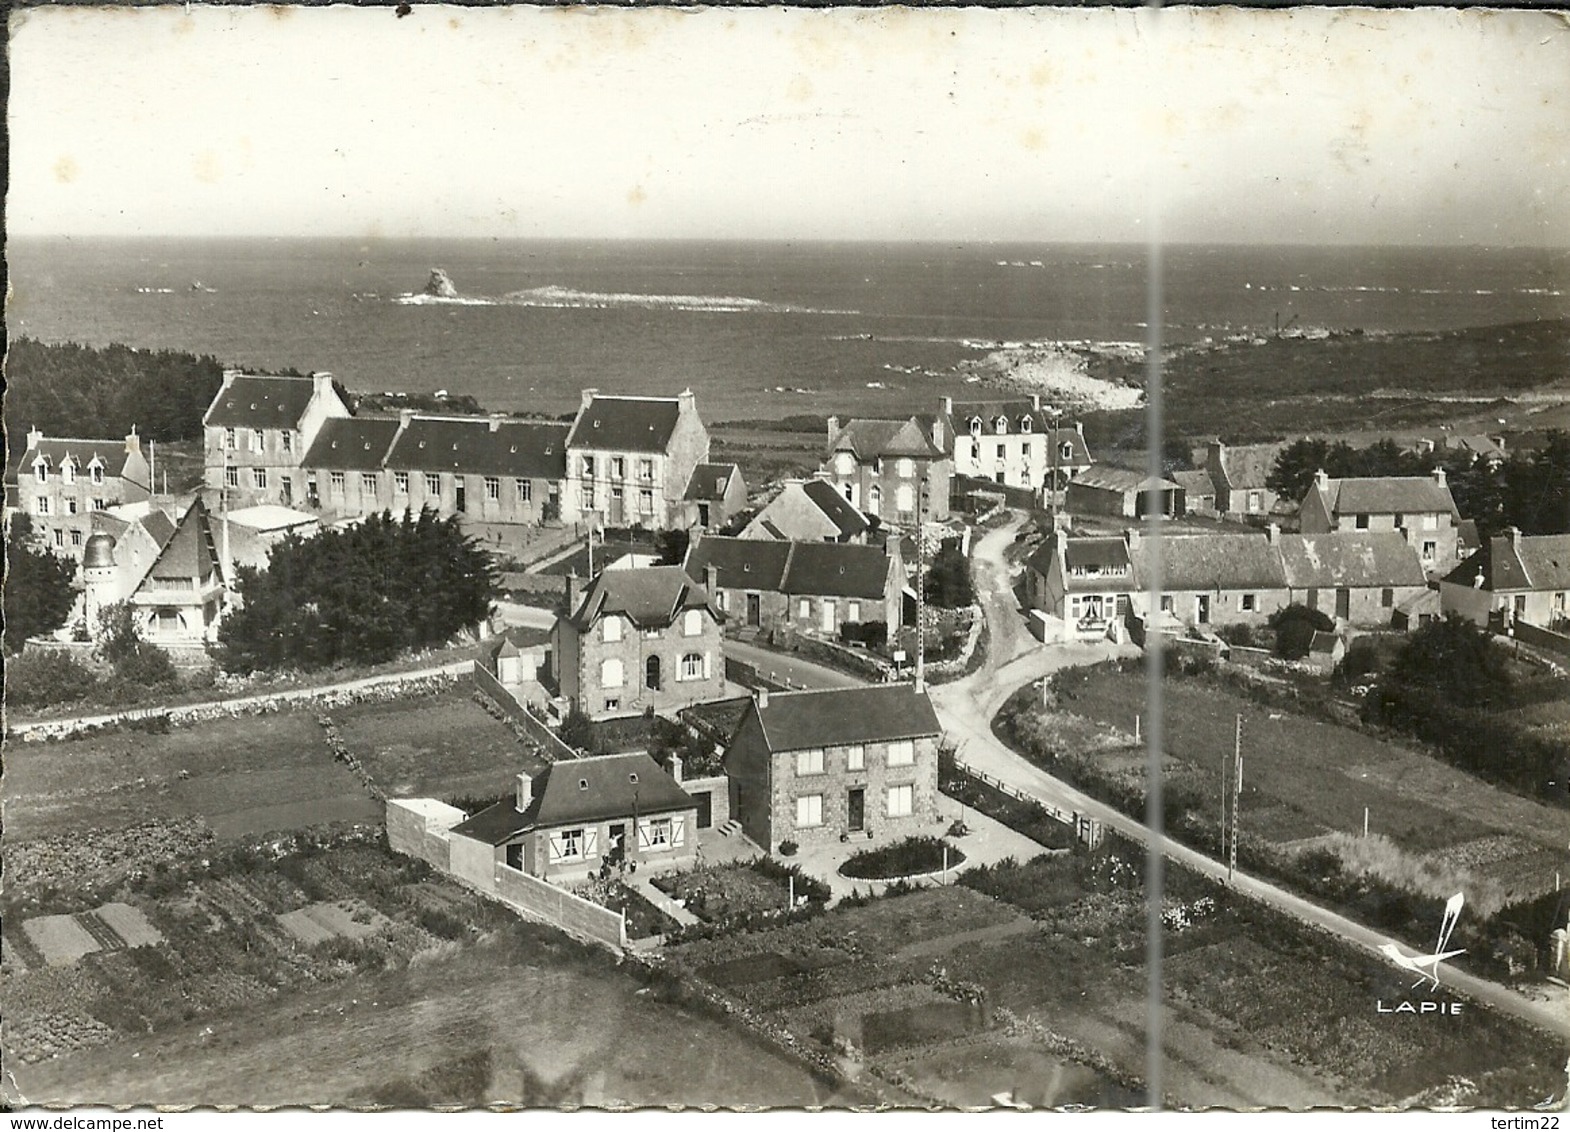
(1015, 443)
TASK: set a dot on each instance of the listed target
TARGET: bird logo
(1427, 966)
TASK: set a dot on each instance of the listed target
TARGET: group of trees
(38, 589)
(361, 595)
(1529, 490)
(67, 389)
(948, 577)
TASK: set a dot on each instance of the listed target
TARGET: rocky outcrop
(439, 286)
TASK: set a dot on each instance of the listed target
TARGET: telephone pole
(1237, 792)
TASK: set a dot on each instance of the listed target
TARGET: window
(613, 703)
(902, 752)
(618, 468)
(259, 477)
(588, 467)
(1250, 602)
(810, 761)
(335, 480)
(96, 473)
(856, 757)
(1066, 451)
(612, 674)
(874, 499)
(68, 472)
(975, 426)
(902, 801)
(76, 538)
(1024, 424)
(1362, 522)
(905, 498)
(433, 484)
(100, 505)
(1002, 451)
(493, 488)
(286, 440)
(692, 623)
(809, 811)
(611, 630)
(1024, 450)
(567, 845)
(646, 470)
(525, 490)
(231, 439)
(59, 537)
(646, 502)
(368, 482)
(656, 833)
(1166, 603)
(1430, 549)
(231, 477)
(692, 666)
(1255, 501)
(804, 610)
(258, 440)
(1000, 426)
(1400, 521)
(401, 483)
(1387, 598)
(907, 468)
(853, 612)
(975, 449)
(41, 470)
(70, 506)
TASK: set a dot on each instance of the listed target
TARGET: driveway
(794, 670)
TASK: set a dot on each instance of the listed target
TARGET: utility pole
(1237, 792)
(921, 600)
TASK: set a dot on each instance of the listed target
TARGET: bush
(1244, 636)
(948, 577)
(1295, 627)
(873, 634)
(913, 856)
(788, 848)
(43, 679)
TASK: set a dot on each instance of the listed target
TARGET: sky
(1289, 126)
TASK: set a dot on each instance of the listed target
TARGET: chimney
(948, 405)
(1439, 477)
(496, 422)
(1514, 535)
(588, 395)
(1079, 427)
(1133, 538)
(676, 767)
(1218, 451)
(711, 581)
(687, 401)
(1035, 401)
(133, 442)
(761, 698)
(525, 792)
(937, 435)
(321, 383)
(1273, 533)
(573, 584)
(405, 419)
(1322, 480)
(834, 427)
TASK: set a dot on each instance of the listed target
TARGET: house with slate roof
(810, 587)
(1357, 577)
(821, 766)
(1199, 493)
(576, 816)
(171, 573)
(630, 460)
(638, 639)
(886, 468)
(1513, 578)
(1421, 508)
(1084, 582)
(258, 430)
(716, 494)
(1238, 475)
(61, 483)
(484, 470)
(1014, 442)
(1118, 492)
(809, 511)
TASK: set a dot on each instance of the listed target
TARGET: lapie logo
(1427, 966)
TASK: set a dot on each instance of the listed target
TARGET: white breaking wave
(567, 298)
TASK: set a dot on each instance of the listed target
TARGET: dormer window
(1024, 424)
(583, 784)
(95, 472)
(1001, 425)
(632, 777)
(1066, 451)
(41, 470)
(68, 471)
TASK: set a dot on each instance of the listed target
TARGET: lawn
(238, 777)
(1303, 777)
(438, 746)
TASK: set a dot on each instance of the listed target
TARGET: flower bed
(914, 856)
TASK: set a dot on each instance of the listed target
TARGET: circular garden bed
(914, 856)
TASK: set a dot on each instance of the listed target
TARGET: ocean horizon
(759, 329)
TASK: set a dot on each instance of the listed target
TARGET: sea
(757, 330)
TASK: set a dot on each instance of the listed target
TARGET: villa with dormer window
(1015, 443)
(61, 483)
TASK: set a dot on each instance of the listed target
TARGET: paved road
(967, 706)
(798, 672)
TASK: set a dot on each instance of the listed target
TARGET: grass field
(1303, 778)
(441, 746)
(239, 777)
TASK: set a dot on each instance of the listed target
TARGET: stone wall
(718, 788)
(545, 901)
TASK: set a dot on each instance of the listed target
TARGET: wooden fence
(1087, 829)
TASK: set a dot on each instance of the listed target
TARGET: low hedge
(912, 856)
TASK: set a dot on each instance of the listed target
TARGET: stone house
(638, 639)
(61, 483)
(1084, 582)
(1213, 579)
(487, 471)
(1357, 577)
(809, 511)
(575, 816)
(257, 431)
(1199, 493)
(630, 460)
(1238, 477)
(178, 592)
(1118, 492)
(819, 766)
(1513, 578)
(1015, 443)
(716, 494)
(1421, 508)
(802, 586)
(886, 468)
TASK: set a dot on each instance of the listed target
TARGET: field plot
(242, 776)
(328, 919)
(440, 746)
(61, 940)
(1304, 778)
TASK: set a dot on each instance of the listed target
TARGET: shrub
(948, 577)
(788, 848)
(912, 856)
(1295, 627)
(1244, 636)
(42, 679)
